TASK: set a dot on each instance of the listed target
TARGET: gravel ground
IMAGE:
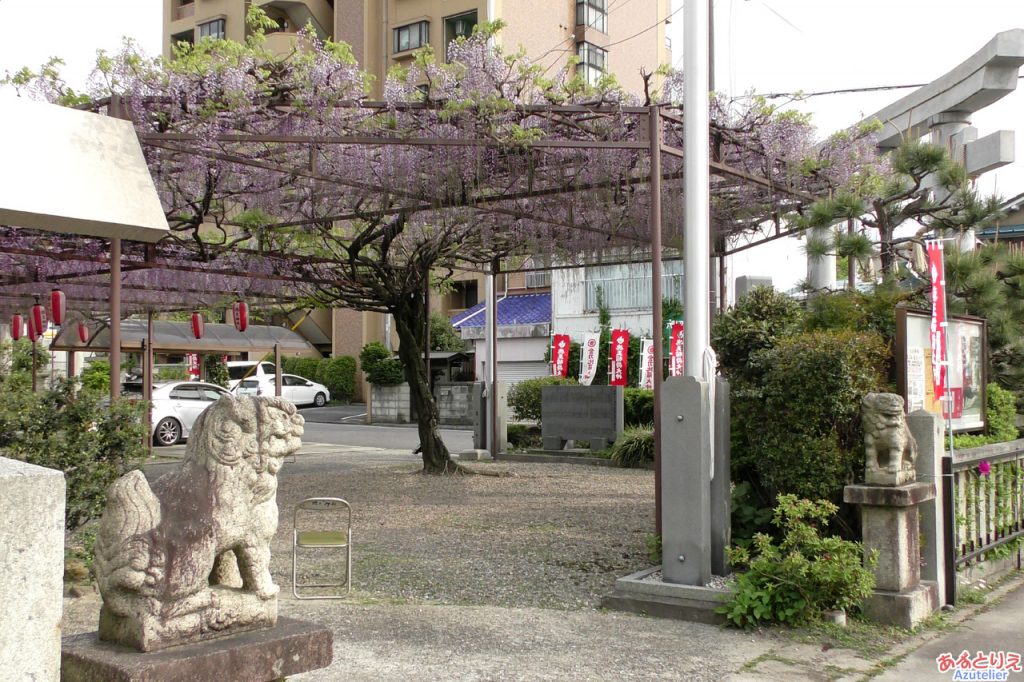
(486, 577)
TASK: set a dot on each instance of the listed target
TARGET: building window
(212, 29)
(412, 37)
(592, 13)
(593, 62)
(458, 26)
(188, 37)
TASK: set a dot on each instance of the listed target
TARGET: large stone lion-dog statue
(891, 451)
(189, 558)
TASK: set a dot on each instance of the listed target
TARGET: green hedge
(524, 397)
(339, 376)
(380, 367)
(638, 406)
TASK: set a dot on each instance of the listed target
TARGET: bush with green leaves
(96, 376)
(803, 575)
(216, 370)
(525, 399)
(1001, 406)
(16, 356)
(756, 323)
(443, 336)
(802, 434)
(339, 376)
(380, 367)
(91, 441)
(638, 406)
(306, 368)
(634, 449)
(176, 373)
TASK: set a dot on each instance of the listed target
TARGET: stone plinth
(889, 524)
(31, 570)
(290, 648)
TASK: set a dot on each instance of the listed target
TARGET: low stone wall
(455, 402)
(31, 570)
(389, 404)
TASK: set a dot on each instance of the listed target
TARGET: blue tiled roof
(515, 309)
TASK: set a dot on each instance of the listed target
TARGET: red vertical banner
(192, 362)
(618, 357)
(675, 350)
(560, 344)
(937, 330)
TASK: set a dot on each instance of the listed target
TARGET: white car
(294, 388)
(177, 405)
(248, 369)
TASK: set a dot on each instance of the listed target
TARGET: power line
(842, 91)
(640, 33)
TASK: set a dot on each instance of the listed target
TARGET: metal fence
(987, 501)
(628, 293)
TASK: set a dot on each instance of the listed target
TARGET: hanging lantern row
(38, 319)
(197, 325)
(35, 323)
(240, 315)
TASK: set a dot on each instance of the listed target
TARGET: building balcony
(183, 11)
(631, 293)
(319, 13)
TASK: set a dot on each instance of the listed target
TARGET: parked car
(294, 388)
(177, 405)
(248, 369)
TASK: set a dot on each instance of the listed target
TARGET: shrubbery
(802, 576)
(635, 447)
(638, 406)
(380, 367)
(96, 376)
(92, 443)
(339, 376)
(524, 397)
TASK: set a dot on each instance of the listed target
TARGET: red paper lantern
(17, 326)
(240, 315)
(58, 306)
(33, 333)
(38, 319)
(83, 332)
(197, 325)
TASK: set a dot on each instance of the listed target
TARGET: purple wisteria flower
(984, 468)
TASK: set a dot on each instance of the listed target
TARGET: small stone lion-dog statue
(189, 558)
(891, 449)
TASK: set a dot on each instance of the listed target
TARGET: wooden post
(654, 224)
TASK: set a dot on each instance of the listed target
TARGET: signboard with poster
(966, 375)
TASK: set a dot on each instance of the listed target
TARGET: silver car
(177, 405)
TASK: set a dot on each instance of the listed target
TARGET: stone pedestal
(31, 570)
(889, 522)
(290, 648)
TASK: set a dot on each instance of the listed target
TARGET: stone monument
(889, 515)
(187, 559)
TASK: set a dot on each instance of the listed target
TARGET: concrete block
(927, 430)
(31, 570)
(904, 609)
(475, 455)
(290, 648)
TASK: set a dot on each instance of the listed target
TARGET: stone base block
(475, 455)
(290, 648)
(905, 609)
(637, 593)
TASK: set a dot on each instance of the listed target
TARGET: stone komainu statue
(189, 558)
(891, 449)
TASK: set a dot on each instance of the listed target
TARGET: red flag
(618, 357)
(675, 353)
(938, 324)
(560, 344)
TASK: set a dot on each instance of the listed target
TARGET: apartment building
(609, 36)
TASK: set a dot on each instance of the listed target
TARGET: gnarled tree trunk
(410, 322)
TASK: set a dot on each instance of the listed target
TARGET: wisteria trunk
(409, 322)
